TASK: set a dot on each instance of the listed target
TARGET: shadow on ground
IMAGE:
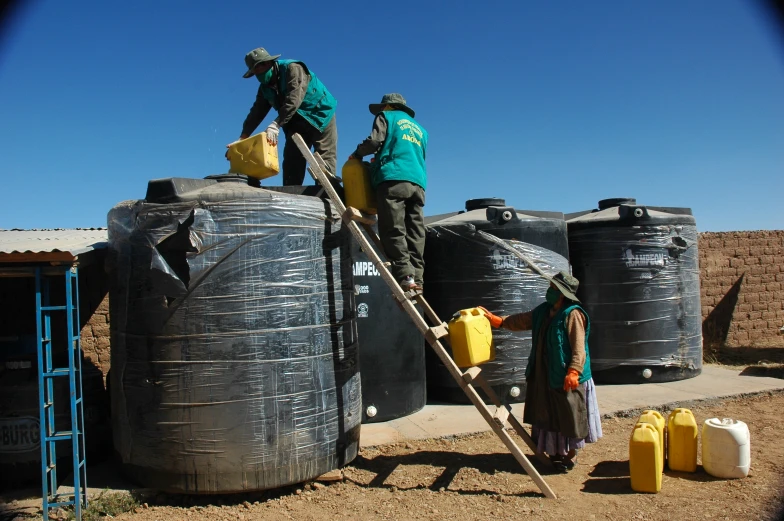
(451, 462)
(612, 477)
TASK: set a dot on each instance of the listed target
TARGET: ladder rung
(501, 415)
(57, 372)
(61, 435)
(62, 504)
(435, 333)
(53, 308)
(352, 214)
(471, 374)
(412, 294)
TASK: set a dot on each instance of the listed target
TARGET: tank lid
(168, 189)
(616, 201)
(477, 204)
(229, 178)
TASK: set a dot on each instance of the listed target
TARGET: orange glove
(572, 380)
(495, 320)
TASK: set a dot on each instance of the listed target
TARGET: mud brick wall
(95, 338)
(742, 285)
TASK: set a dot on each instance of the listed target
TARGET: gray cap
(394, 99)
(255, 57)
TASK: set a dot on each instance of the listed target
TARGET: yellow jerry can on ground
(357, 187)
(471, 338)
(682, 441)
(645, 459)
(657, 420)
(254, 157)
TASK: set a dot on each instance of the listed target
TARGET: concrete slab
(439, 420)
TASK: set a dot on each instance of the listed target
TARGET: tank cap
(477, 204)
(616, 201)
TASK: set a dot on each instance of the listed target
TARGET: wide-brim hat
(255, 57)
(394, 99)
(566, 284)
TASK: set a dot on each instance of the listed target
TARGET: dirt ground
(475, 477)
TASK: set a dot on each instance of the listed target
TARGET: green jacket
(557, 348)
(402, 155)
(318, 105)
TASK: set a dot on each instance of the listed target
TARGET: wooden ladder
(435, 334)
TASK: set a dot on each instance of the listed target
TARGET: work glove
(572, 380)
(272, 133)
(495, 320)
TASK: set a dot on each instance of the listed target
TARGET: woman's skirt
(555, 443)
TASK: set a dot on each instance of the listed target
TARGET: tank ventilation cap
(476, 204)
(616, 201)
(632, 212)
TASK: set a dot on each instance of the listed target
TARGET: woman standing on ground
(560, 397)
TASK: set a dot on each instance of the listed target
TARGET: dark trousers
(324, 143)
(401, 227)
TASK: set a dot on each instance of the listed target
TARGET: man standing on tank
(399, 177)
(304, 106)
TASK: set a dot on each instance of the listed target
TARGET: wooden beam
(42, 257)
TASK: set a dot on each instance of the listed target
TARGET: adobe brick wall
(742, 288)
(94, 319)
(95, 338)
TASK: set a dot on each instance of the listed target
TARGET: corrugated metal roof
(75, 241)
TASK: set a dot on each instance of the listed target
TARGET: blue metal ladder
(47, 374)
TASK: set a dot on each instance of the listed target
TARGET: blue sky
(552, 105)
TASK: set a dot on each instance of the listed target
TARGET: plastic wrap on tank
(234, 353)
(491, 276)
(640, 287)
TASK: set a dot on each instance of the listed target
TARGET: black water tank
(464, 270)
(234, 354)
(391, 352)
(640, 284)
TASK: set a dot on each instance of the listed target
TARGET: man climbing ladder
(433, 334)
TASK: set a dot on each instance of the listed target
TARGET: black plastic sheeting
(464, 270)
(640, 284)
(234, 353)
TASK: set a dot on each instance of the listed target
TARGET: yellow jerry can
(254, 157)
(645, 459)
(682, 441)
(357, 187)
(657, 420)
(471, 338)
